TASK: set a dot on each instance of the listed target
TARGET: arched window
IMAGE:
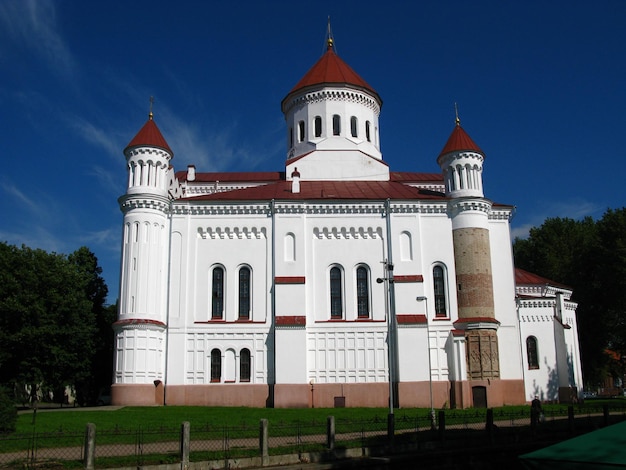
(217, 293)
(318, 126)
(362, 292)
(439, 285)
(216, 365)
(244, 293)
(301, 131)
(290, 137)
(336, 293)
(336, 124)
(354, 126)
(532, 352)
(244, 365)
(367, 131)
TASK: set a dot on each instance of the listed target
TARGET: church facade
(334, 282)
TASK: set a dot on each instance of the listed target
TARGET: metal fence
(156, 446)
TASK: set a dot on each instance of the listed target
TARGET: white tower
(461, 161)
(332, 121)
(141, 326)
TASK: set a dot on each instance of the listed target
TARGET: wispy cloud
(32, 24)
(95, 135)
(14, 192)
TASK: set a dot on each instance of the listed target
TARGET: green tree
(47, 324)
(612, 276)
(96, 290)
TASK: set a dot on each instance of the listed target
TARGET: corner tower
(140, 329)
(332, 124)
(461, 161)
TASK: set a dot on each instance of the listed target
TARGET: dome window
(354, 126)
(336, 124)
(318, 126)
(301, 131)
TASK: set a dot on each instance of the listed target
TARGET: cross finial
(456, 113)
(329, 35)
(150, 115)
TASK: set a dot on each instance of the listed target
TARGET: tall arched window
(532, 352)
(336, 124)
(439, 285)
(244, 293)
(318, 126)
(354, 126)
(244, 365)
(217, 293)
(362, 292)
(301, 131)
(367, 131)
(216, 365)
(336, 293)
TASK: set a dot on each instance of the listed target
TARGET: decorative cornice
(139, 151)
(138, 324)
(129, 202)
(477, 323)
(191, 208)
(347, 233)
(333, 94)
(457, 206)
(232, 233)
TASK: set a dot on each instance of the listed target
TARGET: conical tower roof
(150, 136)
(330, 69)
(460, 141)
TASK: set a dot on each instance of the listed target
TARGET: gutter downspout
(272, 378)
(167, 306)
(392, 305)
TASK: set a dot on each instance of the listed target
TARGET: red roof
(330, 69)
(458, 141)
(524, 278)
(234, 176)
(326, 190)
(150, 136)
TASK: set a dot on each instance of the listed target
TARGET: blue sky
(541, 88)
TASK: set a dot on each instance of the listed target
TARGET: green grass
(171, 417)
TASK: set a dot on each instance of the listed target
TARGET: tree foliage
(48, 309)
(590, 257)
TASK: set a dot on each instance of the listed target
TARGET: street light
(430, 374)
(390, 354)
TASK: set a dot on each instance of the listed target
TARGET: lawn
(171, 417)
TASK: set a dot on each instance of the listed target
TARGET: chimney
(295, 181)
(191, 172)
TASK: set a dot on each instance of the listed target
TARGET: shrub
(8, 412)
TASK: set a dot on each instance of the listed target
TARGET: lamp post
(390, 354)
(430, 374)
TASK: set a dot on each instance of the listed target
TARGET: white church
(335, 281)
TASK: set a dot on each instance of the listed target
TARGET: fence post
(570, 418)
(184, 445)
(90, 446)
(391, 427)
(330, 432)
(489, 424)
(442, 425)
(264, 442)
